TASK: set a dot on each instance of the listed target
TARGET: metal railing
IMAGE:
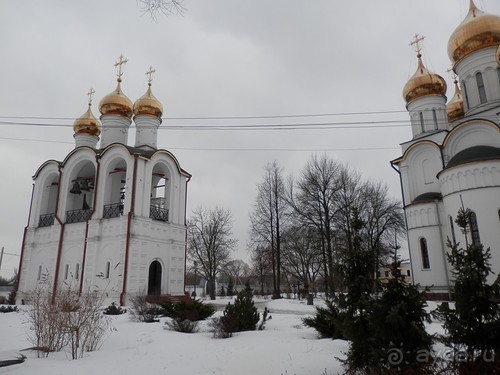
(77, 216)
(46, 220)
(112, 210)
(157, 210)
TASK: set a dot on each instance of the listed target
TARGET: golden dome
(116, 103)
(455, 108)
(423, 83)
(477, 31)
(87, 123)
(148, 105)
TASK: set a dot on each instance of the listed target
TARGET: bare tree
(157, 7)
(261, 266)
(302, 254)
(238, 270)
(383, 219)
(210, 242)
(268, 219)
(315, 203)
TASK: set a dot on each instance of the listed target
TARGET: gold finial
(119, 64)
(149, 73)
(90, 94)
(417, 39)
(472, 7)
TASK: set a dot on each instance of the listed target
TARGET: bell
(76, 188)
(84, 186)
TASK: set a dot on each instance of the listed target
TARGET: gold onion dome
(455, 108)
(116, 103)
(87, 123)
(148, 105)
(423, 83)
(477, 31)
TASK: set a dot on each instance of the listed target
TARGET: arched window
(66, 272)
(452, 231)
(480, 87)
(424, 254)
(77, 271)
(422, 127)
(434, 116)
(474, 229)
(465, 95)
(108, 268)
(39, 276)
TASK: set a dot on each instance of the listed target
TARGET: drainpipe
(18, 278)
(61, 238)
(443, 247)
(186, 235)
(129, 224)
(84, 257)
(406, 220)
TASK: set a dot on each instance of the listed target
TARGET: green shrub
(113, 309)
(327, 321)
(184, 326)
(143, 311)
(193, 310)
(242, 315)
(8, 309)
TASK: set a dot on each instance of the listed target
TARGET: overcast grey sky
(222, 58)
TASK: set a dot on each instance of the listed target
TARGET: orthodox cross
(119, 64)
(90, 94)
(149, 73)
(417, 39)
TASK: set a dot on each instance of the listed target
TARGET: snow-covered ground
(286, 346)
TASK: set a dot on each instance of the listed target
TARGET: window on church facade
(474, 229)
(77, 271)
(66, 272)
(498, 74)
(108, 268)
(422, 127)
(408, 273)
(480, 88)
(464, 87)
(39, 276)
(424, 254)
(452, 232)
(434, 116)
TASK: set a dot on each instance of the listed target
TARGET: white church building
(453, 158)
(109, 216)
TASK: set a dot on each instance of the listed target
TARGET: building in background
(453, 159)
(110, 216)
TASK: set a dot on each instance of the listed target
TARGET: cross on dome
(417, 39)
(90, 94)
(149, 73)
(119, 64)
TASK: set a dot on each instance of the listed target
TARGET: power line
(232, 117)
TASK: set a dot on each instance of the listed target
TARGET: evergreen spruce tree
(398, 324)
(355, 307)
(242, 315)
(473, 326)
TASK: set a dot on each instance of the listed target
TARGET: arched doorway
(154, 280)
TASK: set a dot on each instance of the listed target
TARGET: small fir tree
(473, 326)
(398, 325)
(242, 315)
